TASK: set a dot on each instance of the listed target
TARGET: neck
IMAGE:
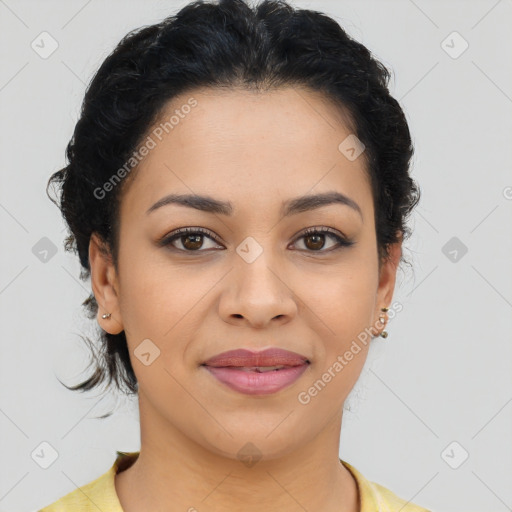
(172, 468)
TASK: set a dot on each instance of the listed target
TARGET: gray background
(443, 375)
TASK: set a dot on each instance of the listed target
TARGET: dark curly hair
(226, 44)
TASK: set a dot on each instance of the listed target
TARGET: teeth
(261, 368)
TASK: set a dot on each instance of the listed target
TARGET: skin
(255, 150)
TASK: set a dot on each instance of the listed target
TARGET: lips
(257, 373)
(246, 359)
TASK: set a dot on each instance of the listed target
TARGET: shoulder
(387, 498)
(83, 498)
(377, 498)
(98, 494)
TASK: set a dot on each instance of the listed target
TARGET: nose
(257, 294)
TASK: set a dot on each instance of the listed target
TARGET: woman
(237, 189)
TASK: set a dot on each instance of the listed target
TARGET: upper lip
(248, 358)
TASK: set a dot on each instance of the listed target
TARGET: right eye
(190, 238)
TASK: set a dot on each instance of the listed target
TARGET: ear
(104, 286)
(387, 279)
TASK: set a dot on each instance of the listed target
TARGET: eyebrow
(289, 207)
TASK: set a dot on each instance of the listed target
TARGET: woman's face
(251, 278)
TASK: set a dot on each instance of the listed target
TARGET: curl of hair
(224, 45)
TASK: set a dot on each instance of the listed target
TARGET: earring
(106, 315)
(382, 320)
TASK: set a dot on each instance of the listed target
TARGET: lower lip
(256, 383)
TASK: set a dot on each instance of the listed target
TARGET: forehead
(248, 147)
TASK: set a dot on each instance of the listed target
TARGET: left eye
(315, 237)
(191, 239)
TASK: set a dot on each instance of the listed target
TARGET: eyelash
(168, 239)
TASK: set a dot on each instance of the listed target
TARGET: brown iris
(192, 242)
(318, 241)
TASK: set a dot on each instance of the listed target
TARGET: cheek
(345, 305)
(346, 297)
(161, 301)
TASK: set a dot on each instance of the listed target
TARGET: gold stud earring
(106, 315)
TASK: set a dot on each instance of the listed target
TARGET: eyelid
(341, 239)
(169, 237)
(322, 230)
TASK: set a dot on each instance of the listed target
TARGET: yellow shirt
(100, 494)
